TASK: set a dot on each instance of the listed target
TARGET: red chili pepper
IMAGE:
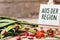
(42, 31)
(27, 28)
(26, 34)
(4, 32)
(39, 34)
(31, 35)
(51, 34)
(18, 37)
(17, 27)
(36, 29)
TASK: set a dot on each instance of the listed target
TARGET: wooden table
(48, 38)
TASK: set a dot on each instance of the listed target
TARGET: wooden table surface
(48, 38)
(30, 20)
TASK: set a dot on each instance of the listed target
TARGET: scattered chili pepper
(18, 37)
(4, 32)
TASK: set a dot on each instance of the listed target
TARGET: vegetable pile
(13, 27)
(23, 29)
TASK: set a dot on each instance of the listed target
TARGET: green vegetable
(1, 18)
(9, 28)
(32, 31)
(7, 24)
